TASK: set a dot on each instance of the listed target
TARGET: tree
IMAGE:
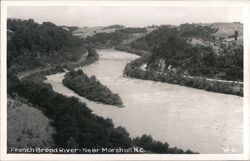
(71, 143)
(236, 33)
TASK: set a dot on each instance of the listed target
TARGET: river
(188, 118)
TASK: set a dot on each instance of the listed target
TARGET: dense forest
(33, 45)
(90, 88)
(162, 33)
(173, 52)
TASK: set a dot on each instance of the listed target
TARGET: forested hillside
(173, 49)
(85, 32)
(115, 38)
(33, 45)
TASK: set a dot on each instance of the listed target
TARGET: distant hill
(85, 32)
(227, 29)
(70, 28)
(112, 36)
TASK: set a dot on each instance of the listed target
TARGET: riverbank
(131, 50)
(41, 73)
(134, 70)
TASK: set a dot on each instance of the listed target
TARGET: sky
(128, 16)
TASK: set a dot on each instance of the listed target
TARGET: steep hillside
(193, 50)
(27, 126)
(31, 45)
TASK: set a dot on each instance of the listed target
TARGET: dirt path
(21, 75)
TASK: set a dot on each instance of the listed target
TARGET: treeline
(90, 58)
(129, 49)
(170, 44)
(132, 30)
(33, 45)
(106, 40)
(133, 70)
(113, 26)
(75, 124)
(147, 142)
(90, 88)
(162, 33)
(204, 32)
(113, 39)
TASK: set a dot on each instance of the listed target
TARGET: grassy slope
(84, 32)
(27, 126)
(226, 29)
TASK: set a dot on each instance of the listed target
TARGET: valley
(192, 78)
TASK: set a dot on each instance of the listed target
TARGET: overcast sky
(127, 16)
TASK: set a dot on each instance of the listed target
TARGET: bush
(90, 88)
(147, 142)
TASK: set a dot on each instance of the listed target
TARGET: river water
(185, 117)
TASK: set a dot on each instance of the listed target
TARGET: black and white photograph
(126, 78)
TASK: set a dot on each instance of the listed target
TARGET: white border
(245, 156)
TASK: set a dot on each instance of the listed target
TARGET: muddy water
(188, 118)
